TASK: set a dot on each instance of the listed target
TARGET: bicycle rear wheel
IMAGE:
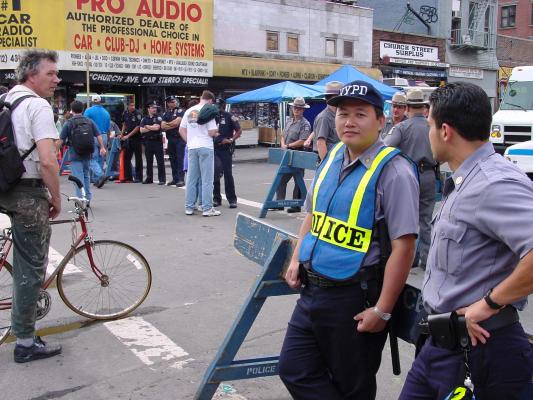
(6, 297)
(125, 283)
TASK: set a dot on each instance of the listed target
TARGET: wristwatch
(491, 303)
(383, 315)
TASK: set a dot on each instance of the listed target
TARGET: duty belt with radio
(424, 166)
(307, 276)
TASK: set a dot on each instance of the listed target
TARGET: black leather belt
(31, 182)
(507, 316)
(364, 274)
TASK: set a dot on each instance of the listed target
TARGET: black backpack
(81, 136)
(11, 162)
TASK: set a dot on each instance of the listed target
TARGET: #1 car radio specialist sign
(122, 36)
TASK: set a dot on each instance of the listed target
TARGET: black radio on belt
(425, 166)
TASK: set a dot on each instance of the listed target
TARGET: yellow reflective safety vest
(343, 215)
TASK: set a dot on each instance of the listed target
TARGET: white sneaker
(199, 207)
(189, 211)
(211, 213)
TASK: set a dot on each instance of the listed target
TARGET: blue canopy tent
(282, 92)
(347, 73)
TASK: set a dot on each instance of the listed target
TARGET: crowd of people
(366, 207)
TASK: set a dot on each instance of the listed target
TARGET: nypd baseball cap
(358, 90)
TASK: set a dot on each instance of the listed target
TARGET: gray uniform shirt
(324, 127)
(396, 197)
(296, 130)
(480, 233)
(412, 138)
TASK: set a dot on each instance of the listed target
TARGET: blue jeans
(81, 170)
(201, 168)
(28, 209)
(97, 161)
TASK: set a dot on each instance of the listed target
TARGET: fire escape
(478, 32)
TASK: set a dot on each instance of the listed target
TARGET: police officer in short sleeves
(480, 261)
(153, 144)
(175, 144)
(131, 137)
(332, 348)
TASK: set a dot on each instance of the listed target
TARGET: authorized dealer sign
(166, 37)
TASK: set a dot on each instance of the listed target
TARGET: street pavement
(199, 284)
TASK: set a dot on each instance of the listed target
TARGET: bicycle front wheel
(6, 297)
(125, 282)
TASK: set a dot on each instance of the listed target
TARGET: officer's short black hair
(464, 106)
(76, 107)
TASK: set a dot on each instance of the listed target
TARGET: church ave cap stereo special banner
(123, 36)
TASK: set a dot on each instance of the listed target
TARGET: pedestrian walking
(35, 199)
(229, 131)
(201, 156)
(152, 136)
(363, 194)
(297, 130)
(100, 116)
(132, 143)
(480, 263)
(175, 144)
(412, 138)
(79, 134)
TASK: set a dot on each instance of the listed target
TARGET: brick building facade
(515, 18)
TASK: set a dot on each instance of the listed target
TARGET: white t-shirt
(197, 135)
(33, 120)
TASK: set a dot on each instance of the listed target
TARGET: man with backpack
(79, 133)
(35, 198)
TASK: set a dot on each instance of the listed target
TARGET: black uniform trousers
(134, 146)
(282, 187)
(225, 157)
(176, 153)
(154, 148)
(323, 356)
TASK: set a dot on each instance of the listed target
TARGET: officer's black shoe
(171, 183)
(292, 210)
(232, 205)
(37, 351)
(216, 203)
(160, 183)
(180, 184)
(147, 181)
(100, 182)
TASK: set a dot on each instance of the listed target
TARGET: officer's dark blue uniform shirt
(152, 135)
(131, 120)
(227, 124)
(171, 115)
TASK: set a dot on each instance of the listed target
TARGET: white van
(513, 123)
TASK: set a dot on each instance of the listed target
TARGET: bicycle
(100, 280)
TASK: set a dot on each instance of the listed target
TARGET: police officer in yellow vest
(332, 348)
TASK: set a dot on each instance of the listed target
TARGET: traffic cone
(121, 175)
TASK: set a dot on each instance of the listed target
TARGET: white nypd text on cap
(351, 90)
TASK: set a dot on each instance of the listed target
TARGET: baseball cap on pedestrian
(169, 99)
(399, 99)
(95, 98)
(358, 90)
(333, 88)
(151, 104)
(299, 102)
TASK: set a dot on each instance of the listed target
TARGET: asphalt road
(199, 285)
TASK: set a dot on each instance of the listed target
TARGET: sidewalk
(253, 154)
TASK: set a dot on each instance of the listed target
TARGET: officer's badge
(234, 118)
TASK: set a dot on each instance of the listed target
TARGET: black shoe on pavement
(100, 182)
(292, 210)
(171, 183)
(233, 205)
(161, 183)
(216, 203)
(180, 184)
(37, 351)
(147, 181)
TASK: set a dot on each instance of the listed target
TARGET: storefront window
(331, 48)
(292, 43)
(272, 41)
(348, 49)
(508, 16)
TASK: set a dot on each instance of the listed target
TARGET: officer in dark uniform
(131, 139)
(332, 348)
(229, 131)
(480, 262)
(153, 144)
(175, 144)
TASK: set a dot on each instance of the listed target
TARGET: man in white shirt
(199, 140)
(35, 199)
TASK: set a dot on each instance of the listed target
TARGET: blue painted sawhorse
(272, 247)
(112, 157)
(291, 162)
